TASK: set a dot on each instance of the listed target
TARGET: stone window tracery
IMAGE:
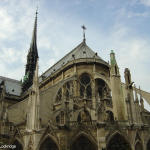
(85, 86)
(68, 90)
(65, 92)
(59, 95)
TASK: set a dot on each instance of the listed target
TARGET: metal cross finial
(36, 10)
(84, 28)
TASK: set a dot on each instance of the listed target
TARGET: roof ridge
(64, 57)
(80, 51)
(10, 79)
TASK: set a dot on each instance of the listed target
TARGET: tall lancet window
(85, 86)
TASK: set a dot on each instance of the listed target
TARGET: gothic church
(79, 103)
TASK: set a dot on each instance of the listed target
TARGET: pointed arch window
(102, 89)
(85, 86)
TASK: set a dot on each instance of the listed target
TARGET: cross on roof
(84, 28)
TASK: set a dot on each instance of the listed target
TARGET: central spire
(33, 46)
(31, 58)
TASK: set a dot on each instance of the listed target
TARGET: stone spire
(117, 92)
(127, 76)
(34, 103)
(114, 66)
(33, 114)
(31, 59)
(136, 96)
(141, 99)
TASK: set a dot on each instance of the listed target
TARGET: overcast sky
(121, 25)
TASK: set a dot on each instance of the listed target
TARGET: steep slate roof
(82, 51)
(13, 87)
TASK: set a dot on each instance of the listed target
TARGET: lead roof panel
(13, 87)
(81, 51)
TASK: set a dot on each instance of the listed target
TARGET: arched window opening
(109, 116)
(83, 143)
(18, 145)
(84, 116)
(58, 119)
(118, 142)
(59, 95)
(48, 144)
(65, 92)
(85, 86)
(102, 89)
(148, 145)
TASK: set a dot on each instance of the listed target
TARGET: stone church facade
(79, 103)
